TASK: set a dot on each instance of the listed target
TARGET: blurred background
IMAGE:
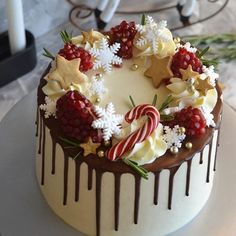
(45, 19)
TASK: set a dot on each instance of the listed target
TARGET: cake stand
(23, 211)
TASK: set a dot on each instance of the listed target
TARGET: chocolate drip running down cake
(127, 131)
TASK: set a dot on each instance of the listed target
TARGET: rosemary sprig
(48, 54)
(132, 101)
(71, 142)
(222, 46)
(143, 19)
(166, 103)
(154, 101)
(139, 169)
(77, 155)
(164, 117)
(65, 36)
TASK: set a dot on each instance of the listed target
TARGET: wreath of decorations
(72, 97)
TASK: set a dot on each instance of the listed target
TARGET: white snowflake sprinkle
(210, 72)
(151, 32)
(108, 121)
(187, 46)
(105, 55)
(208, 116)
(97, 86)
(173, 137)
(49, 107)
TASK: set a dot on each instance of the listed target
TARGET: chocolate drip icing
(98, 200)
(37, 123)
(77, 180)
(53, 156)
(189, 164)
(136, 197)
(209, 162)
(43, 153)
(40, 135)
(171, 182)
(156, 187)
(66, 162)
(201, 157)
(117, 200)
(90, 177)
(217, 145)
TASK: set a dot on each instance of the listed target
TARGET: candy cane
(139, 135)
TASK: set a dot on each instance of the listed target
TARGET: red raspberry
(193, 121)
(124, 34)
(182, 59)
(71, 51)
(75, 115)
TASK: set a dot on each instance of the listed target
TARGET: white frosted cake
(127, 131)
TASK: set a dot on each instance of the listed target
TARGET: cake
(128, 126)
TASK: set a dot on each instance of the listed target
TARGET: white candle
(16, 29)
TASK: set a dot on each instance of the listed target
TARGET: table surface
(25, 212)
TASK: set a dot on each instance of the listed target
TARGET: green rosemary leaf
(77, 155)
(71, 142)
(154, 101)
(143, 19)
(202, 52)
(65, 36)
(140, 170)
(48, 54)
(132, 101)
(166, 117)
(166, 103)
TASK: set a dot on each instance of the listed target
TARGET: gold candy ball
(107, 143)
(108, 37)
(188, 145)
(174, 150)
(101, 153)
(134, 67)
(99, 76)
(98, 100)
(177, 40)
(182, 130)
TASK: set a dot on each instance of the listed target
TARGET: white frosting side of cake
(153, 220)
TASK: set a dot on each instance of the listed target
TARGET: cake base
(177, 195)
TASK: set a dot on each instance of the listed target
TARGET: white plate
(24, 212)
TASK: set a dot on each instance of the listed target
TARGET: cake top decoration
(89, 79)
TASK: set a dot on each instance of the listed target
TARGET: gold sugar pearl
(177, 40)
(98, 100)
(101, 153)
(188, 145)
(182, 130)
(174, 150)
(107, 143)
(108, 37)
(134, 67)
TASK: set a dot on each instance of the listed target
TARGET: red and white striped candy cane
(139, 135)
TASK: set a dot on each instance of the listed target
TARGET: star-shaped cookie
(159, 69)
(91, 36)
(203, 85)
(90, 147)
(188, 73)
(67, 72)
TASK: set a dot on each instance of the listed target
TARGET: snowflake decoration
(151, 32)
(208, 116)
(108, 121)
(105, 55)
(209, 72)
(187, 46)
(97, 86)
(173, 137)
(49, 107)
